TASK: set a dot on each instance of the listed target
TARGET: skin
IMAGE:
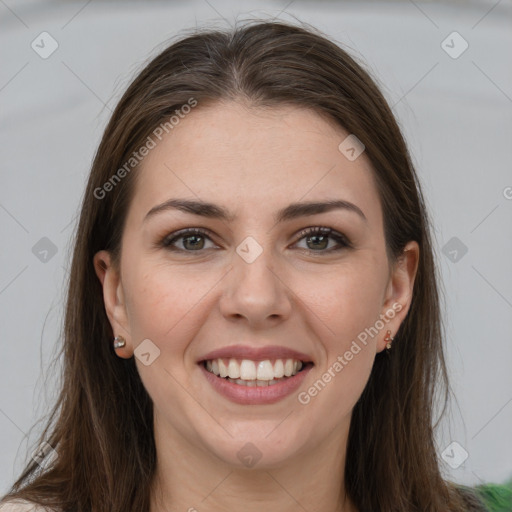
(253, 161)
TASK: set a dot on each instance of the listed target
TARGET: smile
(255, 382)
(246, 372)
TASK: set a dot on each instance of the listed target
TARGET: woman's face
(253, 292)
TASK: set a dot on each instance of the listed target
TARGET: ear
(113, 297)
(399, 291)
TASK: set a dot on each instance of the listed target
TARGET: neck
(191, 479)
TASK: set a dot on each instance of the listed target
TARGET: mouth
(255, 376)
(250, 373)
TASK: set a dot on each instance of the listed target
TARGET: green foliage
(497, 497)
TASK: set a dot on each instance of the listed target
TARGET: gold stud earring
(388, 339)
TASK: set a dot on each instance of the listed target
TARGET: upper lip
(255, 353)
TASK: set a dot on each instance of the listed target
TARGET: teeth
(233, 369)
(247, 370)
(278, 369)
(288, 367)
(223, 369)
(254, 373)
(265, 371)
(259, 383)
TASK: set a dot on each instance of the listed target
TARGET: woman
(253, 316)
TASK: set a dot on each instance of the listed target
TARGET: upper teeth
(254, 370)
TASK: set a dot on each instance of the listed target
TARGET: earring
(119, 342)
(388, 339)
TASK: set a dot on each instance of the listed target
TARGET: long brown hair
(102, 424)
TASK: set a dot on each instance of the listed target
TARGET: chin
(261, 447)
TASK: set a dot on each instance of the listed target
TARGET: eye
(192, 240)
(320, 239)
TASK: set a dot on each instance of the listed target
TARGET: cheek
(347, 300)
(349, 311)
(349, 305)
(164, 303)
(156, 299)
(359, 306)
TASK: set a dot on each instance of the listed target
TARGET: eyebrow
(292, 211)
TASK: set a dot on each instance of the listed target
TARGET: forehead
(254, 158)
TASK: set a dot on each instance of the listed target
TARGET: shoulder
(19, 505)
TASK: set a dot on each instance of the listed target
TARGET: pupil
(319, 237)
(195, 237)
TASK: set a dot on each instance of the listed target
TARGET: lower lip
(252, 395)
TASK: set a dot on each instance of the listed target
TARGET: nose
(256, 292)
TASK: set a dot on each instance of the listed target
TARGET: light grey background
(455, 113)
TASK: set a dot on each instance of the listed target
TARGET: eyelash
(343, 242)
